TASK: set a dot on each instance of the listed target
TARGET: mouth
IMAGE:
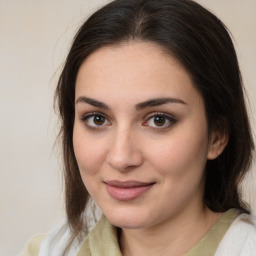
(127, 190)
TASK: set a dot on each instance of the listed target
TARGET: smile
(128, 190)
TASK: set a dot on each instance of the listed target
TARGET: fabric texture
(210, 242)
(33, 246)
(230, 235)
(240, 239)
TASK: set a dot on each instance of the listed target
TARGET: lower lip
(126, 194)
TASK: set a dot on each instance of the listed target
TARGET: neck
(174, 236)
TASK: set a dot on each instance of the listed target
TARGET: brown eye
(159, 120)
(94, 120)
(99, 120)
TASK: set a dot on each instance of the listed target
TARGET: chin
(128, 219)
(125, 223)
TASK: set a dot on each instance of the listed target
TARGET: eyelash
(86, 117)
(166, 117)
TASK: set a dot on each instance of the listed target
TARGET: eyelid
(86, 116)
(89, 114)
(169, 117)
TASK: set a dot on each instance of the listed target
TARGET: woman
(155, 131)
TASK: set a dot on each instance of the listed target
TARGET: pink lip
(127, 190)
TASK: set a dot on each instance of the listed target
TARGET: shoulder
(240, 239)
(32, 248)
(102, 240)
(52, 244)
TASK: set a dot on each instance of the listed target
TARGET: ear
(217, 143)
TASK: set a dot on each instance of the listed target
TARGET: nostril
(122, 161)
(123, 151)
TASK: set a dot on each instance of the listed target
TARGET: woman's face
(140, 135)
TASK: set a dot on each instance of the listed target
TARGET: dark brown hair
(202, 44)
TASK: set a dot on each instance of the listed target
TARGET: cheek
(182, 154)
(89, 152)
(89, 159)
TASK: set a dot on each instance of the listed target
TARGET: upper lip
(128, 183)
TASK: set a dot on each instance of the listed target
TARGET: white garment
(56, 241)
(240, 239)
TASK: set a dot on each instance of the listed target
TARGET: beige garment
(33, 246)
(103, 239)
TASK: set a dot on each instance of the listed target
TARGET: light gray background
(34, 39)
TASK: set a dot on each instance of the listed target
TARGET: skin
(166, 145)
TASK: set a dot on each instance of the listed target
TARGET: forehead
(133, 70)
(125, 55)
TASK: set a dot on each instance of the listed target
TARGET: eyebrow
(157, 102)
(138, 107)
(92, 102)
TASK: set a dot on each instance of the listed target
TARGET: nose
(124, 152)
